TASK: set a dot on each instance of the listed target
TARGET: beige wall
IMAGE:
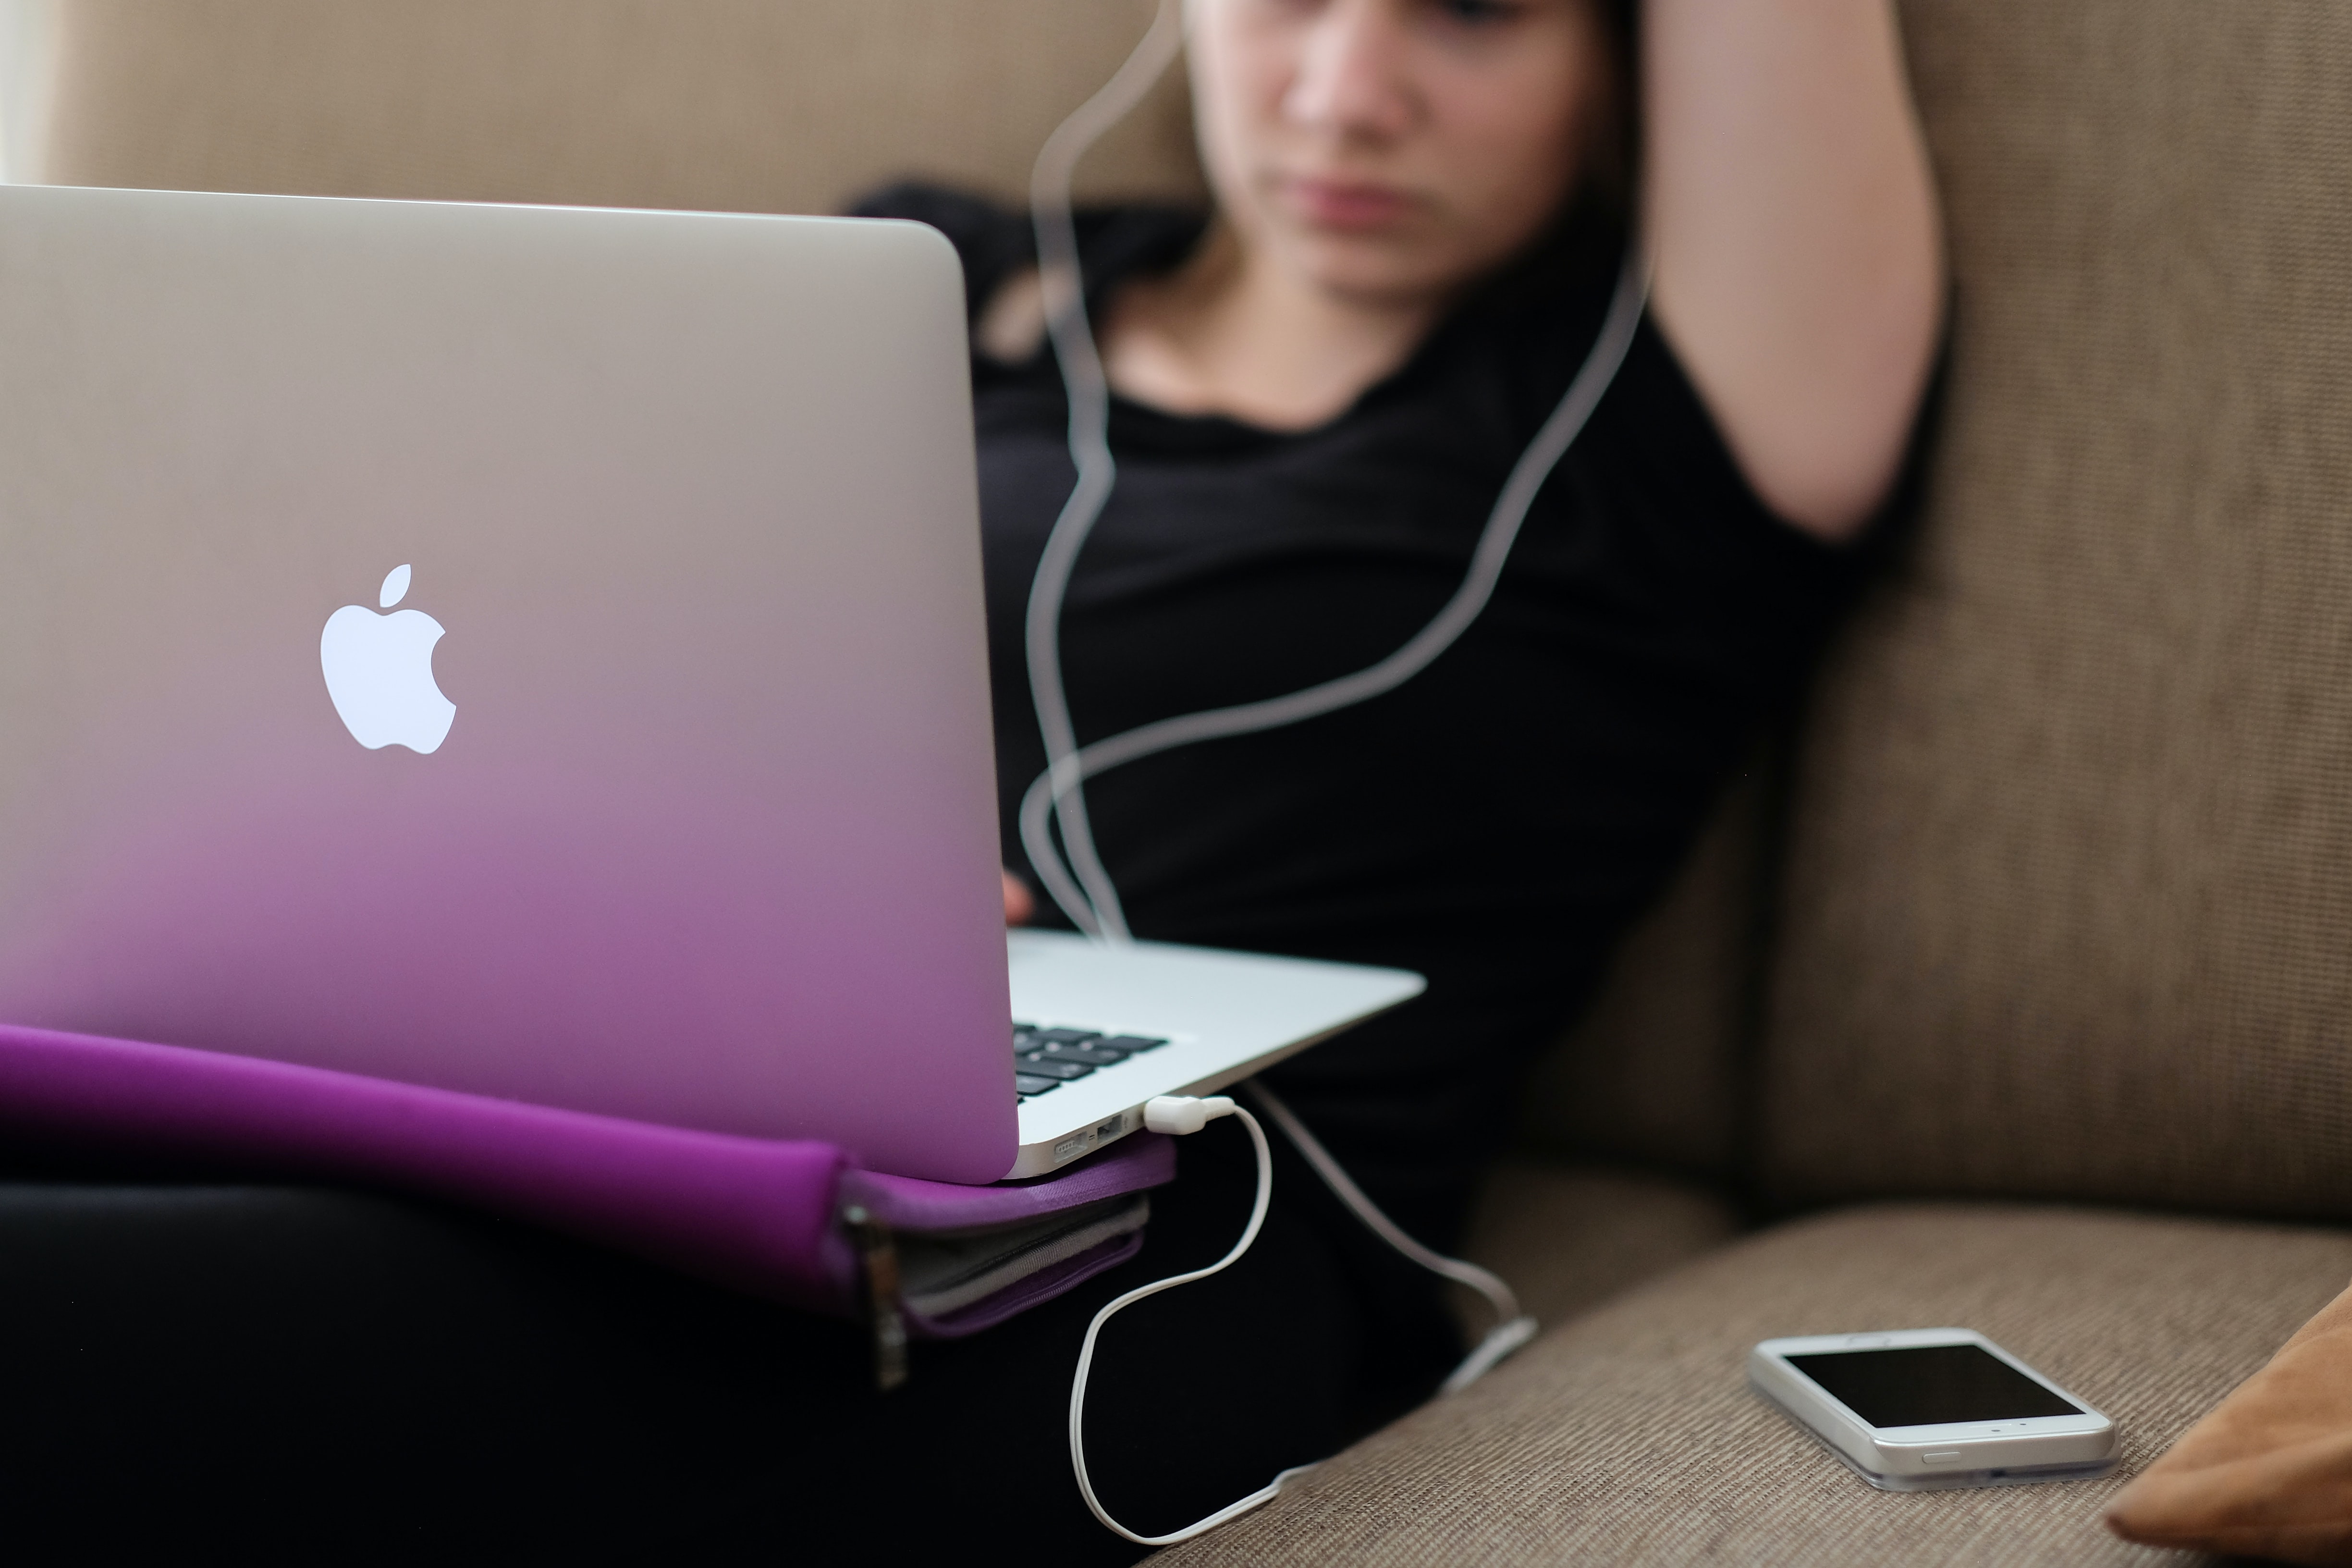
(755, 105)
(28, 30)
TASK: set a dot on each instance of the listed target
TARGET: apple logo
(379, 672)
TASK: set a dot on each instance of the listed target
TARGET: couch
(2011, 985)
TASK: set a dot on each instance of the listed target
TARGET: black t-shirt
(1495, 822)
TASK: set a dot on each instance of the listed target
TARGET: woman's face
(1392, 150)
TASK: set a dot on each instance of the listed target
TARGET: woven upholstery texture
(738, 105)
(1629, 1436)
(2069, 905)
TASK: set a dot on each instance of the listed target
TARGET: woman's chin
(1380, 273)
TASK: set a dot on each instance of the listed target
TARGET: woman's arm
(1792, 219)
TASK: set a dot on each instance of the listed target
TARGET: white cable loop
(1087, 1357)
(1512, 1328)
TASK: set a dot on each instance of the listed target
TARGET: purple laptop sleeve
(759, 1215)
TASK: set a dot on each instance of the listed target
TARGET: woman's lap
(293, 1371)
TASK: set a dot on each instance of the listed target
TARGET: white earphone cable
(1081, 887)
(1513, 1327)
(1217, 1105)
(1084, 890)
(1183, 1114)
(1090, 902)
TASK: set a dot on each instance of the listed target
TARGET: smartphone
(1920, 1409)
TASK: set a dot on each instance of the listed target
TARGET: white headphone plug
(1182, 1113)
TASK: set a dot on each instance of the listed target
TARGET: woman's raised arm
(1792, 219)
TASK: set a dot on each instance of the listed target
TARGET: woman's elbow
(1827, 464)
(1822, 435)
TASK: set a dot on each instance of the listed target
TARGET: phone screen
(1929, 1386)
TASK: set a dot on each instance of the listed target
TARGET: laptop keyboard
(1046, 1059)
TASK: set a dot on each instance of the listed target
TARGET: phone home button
(1940, 1457)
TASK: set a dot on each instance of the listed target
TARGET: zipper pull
(879, 1256)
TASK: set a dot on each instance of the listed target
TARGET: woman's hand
(1792, 219)
(1019, 903)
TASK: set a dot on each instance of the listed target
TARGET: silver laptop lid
(687, 816)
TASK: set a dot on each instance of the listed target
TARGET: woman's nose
(1351, 79)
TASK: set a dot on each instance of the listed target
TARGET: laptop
(539, 652)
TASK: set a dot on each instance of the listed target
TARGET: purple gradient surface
(712, 840)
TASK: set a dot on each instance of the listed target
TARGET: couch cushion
(2069, 903)
(1629, 1436)
(744, 105)
(1567, 1237)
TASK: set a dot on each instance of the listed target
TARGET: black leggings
(266, 1371)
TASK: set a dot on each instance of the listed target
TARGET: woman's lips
(1344, 204)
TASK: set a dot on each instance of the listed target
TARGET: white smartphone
(1916, 1409)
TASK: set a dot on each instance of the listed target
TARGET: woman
(1419, 218)
(1419, 213)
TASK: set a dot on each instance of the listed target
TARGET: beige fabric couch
(2014, 990)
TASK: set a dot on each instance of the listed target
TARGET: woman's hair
(1590, 230)
(1605, 185)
